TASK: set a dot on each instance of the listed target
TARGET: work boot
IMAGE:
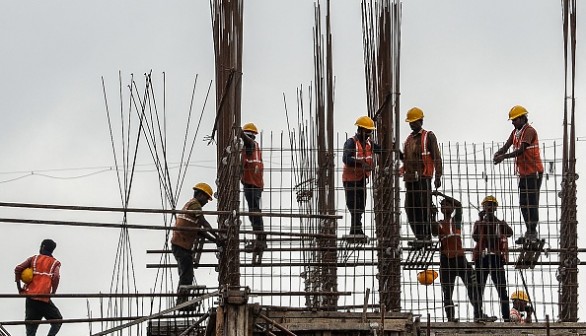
(529, 237)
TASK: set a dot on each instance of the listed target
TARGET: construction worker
(529, 168)
(182, 241)
(253, 181)
(491, 251)
(358, 165)
(520, 307)
(421, 162)
(453, 262)
(45, 281)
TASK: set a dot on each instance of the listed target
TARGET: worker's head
(203, 193)
(415, 118)
(47, 246)
(447, 207)
(520, 299)
(518, 116)
(365, 126)
(489, 204)
(250, 129)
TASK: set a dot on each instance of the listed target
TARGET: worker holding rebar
(252, 179)
(183, 241)
(422, 162)
(529, 167)
(453, 262)
(44, 281)
(522, 310)
(491, 251)
(358, 165)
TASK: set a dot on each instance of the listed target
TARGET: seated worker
(520, 307)
(453, 262)
(490, 251)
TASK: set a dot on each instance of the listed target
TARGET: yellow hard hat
(205, 188)
(520, 295)
(27, 275)
(365, 122)
(517, 111)
(490, 199)
(250, 127)
(426, 277)
(414, 114)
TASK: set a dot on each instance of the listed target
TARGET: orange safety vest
(186, 239)
(501, 249)
(43, 267)
(529, 162)
(450, 239)
(353, 173)
(428, 164)
(252, 167)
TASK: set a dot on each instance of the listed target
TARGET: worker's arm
(529, 311)
(506, 229)
(18, 270)
(500, 154)
(476, 231)
(56, 278)
(436, 155)
(248, 142)
(210, 235)
(349, 155)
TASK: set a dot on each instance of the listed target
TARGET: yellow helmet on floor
(490, 199)
(414, 114)
(517, 111)
(365, 122)
(205, 188)
(250, 127)
(426, 277)
(27, 275)
(520, 295)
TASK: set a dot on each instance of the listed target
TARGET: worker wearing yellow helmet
(522, 309)
(252, 179)
(182, 241)
(491, 251)
(422, 162)
(358, 164)
(45, 280)
(529, 167)
(453, 262)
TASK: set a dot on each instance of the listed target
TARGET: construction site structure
(310, 279)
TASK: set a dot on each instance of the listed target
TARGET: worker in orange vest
(358, 165)
(45, 281)
(422, 161)
(491, 251)
(522, 310)
(453, 262)
(252, 180)
(527, 157)
(182, 241)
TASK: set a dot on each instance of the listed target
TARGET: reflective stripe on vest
(252, 167)
(362, 154)
(43, 267)
(428, 166)
(529, 162)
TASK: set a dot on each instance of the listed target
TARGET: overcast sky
(465, 63)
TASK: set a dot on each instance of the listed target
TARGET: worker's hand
(436, 193)
(366, 166)
(529, 310)
(438, 183)
(498, 158)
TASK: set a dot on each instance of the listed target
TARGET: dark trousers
(493, 265)
(450, 268)
(355, 201)
(529, 187)
(418, 207)
(252, 195)
(184, 264)
(37, 310)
